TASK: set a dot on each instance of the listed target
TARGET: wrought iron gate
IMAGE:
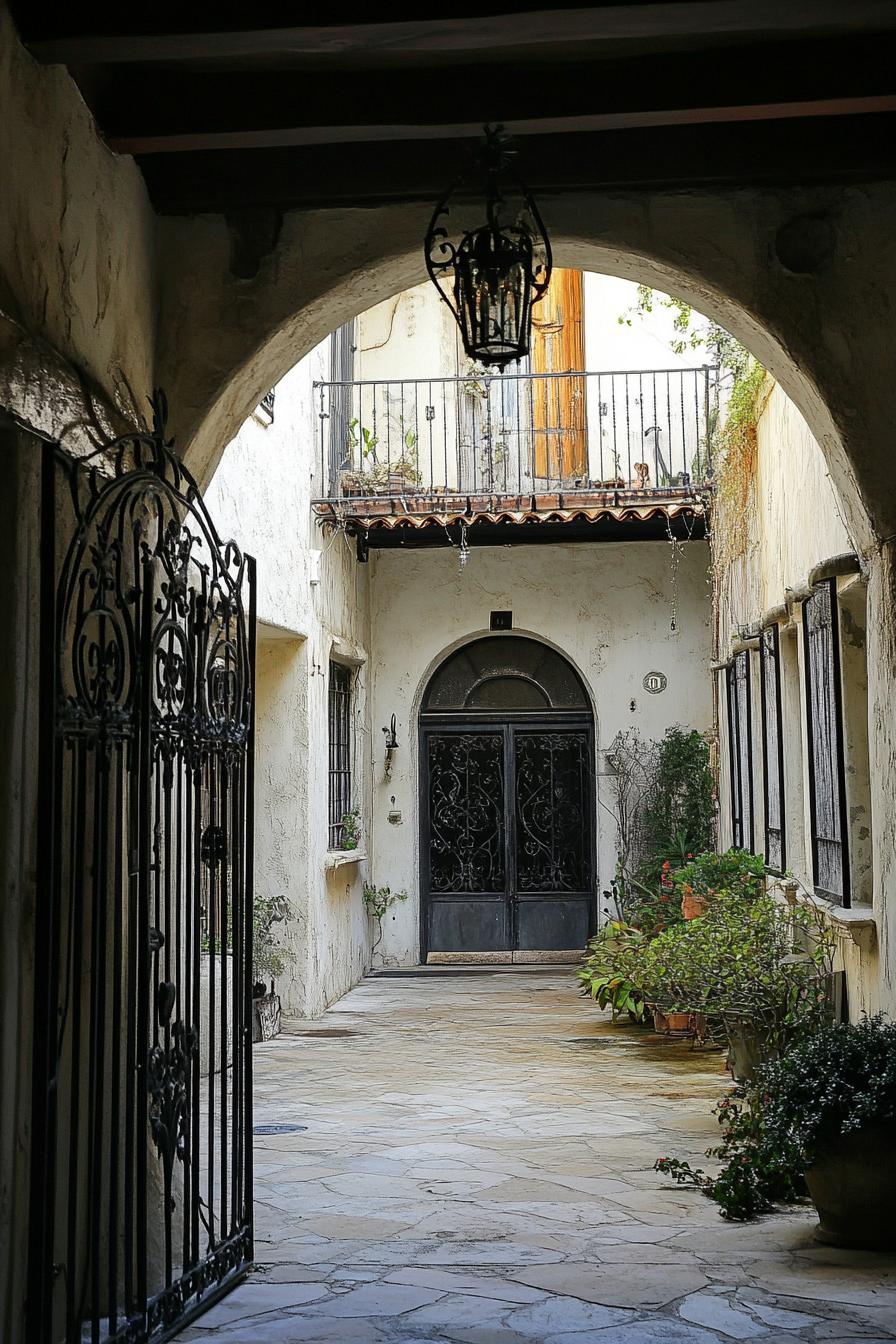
(142, 1137)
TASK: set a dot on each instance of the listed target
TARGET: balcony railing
(427, 439)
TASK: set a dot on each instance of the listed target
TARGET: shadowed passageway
(476, 1165)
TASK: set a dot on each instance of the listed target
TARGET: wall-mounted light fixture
(490, 275)
(391, 746)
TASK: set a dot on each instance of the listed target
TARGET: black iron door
(142, 1190)
(507, 836)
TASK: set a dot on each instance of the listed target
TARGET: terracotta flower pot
(853, 1188)
(678, 1022)
(692, 907)
(660, 1020)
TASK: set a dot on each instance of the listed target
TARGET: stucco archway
(822, 335)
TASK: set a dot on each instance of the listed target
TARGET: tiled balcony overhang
(495, 520)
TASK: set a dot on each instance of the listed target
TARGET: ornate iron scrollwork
(552, 854)
(466, 801)
(143, 964)
(168, 1078)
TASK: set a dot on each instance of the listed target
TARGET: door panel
(558, 404)
(552, 852)
(508, 838)
(466, 842)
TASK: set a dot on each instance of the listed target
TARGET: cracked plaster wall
(77, 248)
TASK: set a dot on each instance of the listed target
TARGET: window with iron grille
(824, 714)
(740, 747)
(772, 748)
(340, 773)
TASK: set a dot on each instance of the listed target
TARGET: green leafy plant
(360, 436)
(759, 969)
(372, 474)
(757, 1171)
(734, 873)
(378, 901)
(599, 972)
(351, 829)
(680, 809)
(267, 955)
(835, 1081)
(677, 811)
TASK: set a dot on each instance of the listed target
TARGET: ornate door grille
(824, 713)
(142, 1137)
(740, 743)
(772, 748)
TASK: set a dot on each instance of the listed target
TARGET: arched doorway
(507, 802)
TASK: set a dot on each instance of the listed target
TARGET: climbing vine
(740, 388)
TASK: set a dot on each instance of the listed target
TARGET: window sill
(342, 858)
(855, 923)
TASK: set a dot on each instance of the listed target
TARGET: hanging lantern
(491, 276)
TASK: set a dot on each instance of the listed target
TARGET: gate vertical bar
(46, 935)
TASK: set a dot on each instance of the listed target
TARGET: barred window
(824, 712)
(340, 776)
(740, 746)
(772, 748)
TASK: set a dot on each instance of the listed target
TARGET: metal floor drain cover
(279, 1129)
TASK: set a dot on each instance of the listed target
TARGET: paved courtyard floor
(477, 1166)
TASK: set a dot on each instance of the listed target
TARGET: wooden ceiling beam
(806, 150)
(166, 31)
(307, 136)
(207, 110)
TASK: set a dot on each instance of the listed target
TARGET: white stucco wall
(312, 605)
(796, 520)
(607, 606)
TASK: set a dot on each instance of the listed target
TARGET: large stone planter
(853, 1188)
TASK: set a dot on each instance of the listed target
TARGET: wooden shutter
(558, 404)
(827, 788)
(740, 747)
(772, 748)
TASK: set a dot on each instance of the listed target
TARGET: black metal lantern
(491, 276)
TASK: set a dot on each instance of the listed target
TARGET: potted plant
(832, 1099)
(736, 970)
(371, 476)
(267, 964)
(601, 977)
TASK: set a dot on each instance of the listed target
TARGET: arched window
(504, 673)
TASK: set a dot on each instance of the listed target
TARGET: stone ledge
(855, 924)
(342, 858)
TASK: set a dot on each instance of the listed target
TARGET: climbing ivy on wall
(740, 383)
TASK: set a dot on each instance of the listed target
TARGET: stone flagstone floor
(477, 1166)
